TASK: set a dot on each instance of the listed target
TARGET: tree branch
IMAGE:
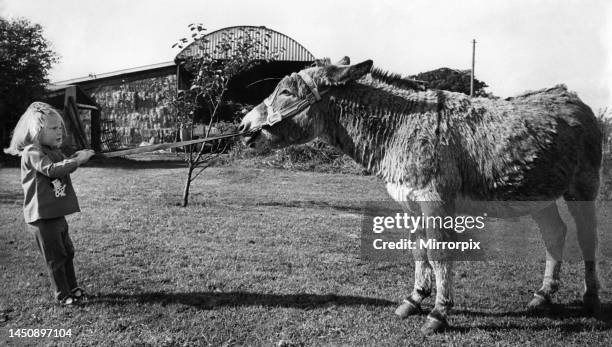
(209, 163)
(212, 118)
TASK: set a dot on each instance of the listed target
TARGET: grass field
(260, 257)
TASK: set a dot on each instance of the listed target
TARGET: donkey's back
(537, 146)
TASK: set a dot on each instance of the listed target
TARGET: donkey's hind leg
(553, 232)
(584, 214)
(581, 203)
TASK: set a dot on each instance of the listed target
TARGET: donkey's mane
(396, 79)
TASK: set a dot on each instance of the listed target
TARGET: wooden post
(472, 72)
(96, 142)
(71, 109)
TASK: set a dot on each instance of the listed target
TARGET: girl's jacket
(47, 188)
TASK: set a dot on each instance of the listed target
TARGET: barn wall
(138, 109)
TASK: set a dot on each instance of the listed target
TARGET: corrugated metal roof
(293, 51)
(114, 73)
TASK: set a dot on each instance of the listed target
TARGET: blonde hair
(28, 127)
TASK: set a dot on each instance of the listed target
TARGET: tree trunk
(187, 185)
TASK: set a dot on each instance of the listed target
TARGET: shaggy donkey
(437, 149)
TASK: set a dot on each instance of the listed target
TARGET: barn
(133, 105)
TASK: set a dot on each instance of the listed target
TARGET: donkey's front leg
(437, 318)
(423, 280)
(422, 289)
(441, 259)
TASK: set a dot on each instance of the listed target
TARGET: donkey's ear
(322, 62)
(344, 61)
(342, 74)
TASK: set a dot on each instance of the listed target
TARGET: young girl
(48, 193)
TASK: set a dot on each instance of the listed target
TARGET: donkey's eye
(286, 92)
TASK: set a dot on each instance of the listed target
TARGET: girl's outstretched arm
(43, 164)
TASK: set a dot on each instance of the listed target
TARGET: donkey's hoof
(408, 308)
(434, 324)
(591, 304)
(540, 302)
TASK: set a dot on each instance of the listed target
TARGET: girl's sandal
(67, 302)
(78, 293)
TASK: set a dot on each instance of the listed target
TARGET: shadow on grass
(11, 198)
(126, 163)
(211, 300)
(569, 327)
(579, 320)
(312, 204)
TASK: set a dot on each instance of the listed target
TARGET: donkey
(436, 149)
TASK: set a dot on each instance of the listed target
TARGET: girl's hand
(83, 156)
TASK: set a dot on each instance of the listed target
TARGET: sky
(521, 44)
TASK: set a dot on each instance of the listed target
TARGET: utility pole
(472, 73)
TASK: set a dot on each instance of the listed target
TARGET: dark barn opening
(248, 88)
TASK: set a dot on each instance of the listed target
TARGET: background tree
(25, 60)
(211, 72)
(604, 117)
(452, 80)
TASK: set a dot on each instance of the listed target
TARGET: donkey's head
(293, 113)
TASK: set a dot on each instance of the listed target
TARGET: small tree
(211, 72)
(25, 61)
(452, 80)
